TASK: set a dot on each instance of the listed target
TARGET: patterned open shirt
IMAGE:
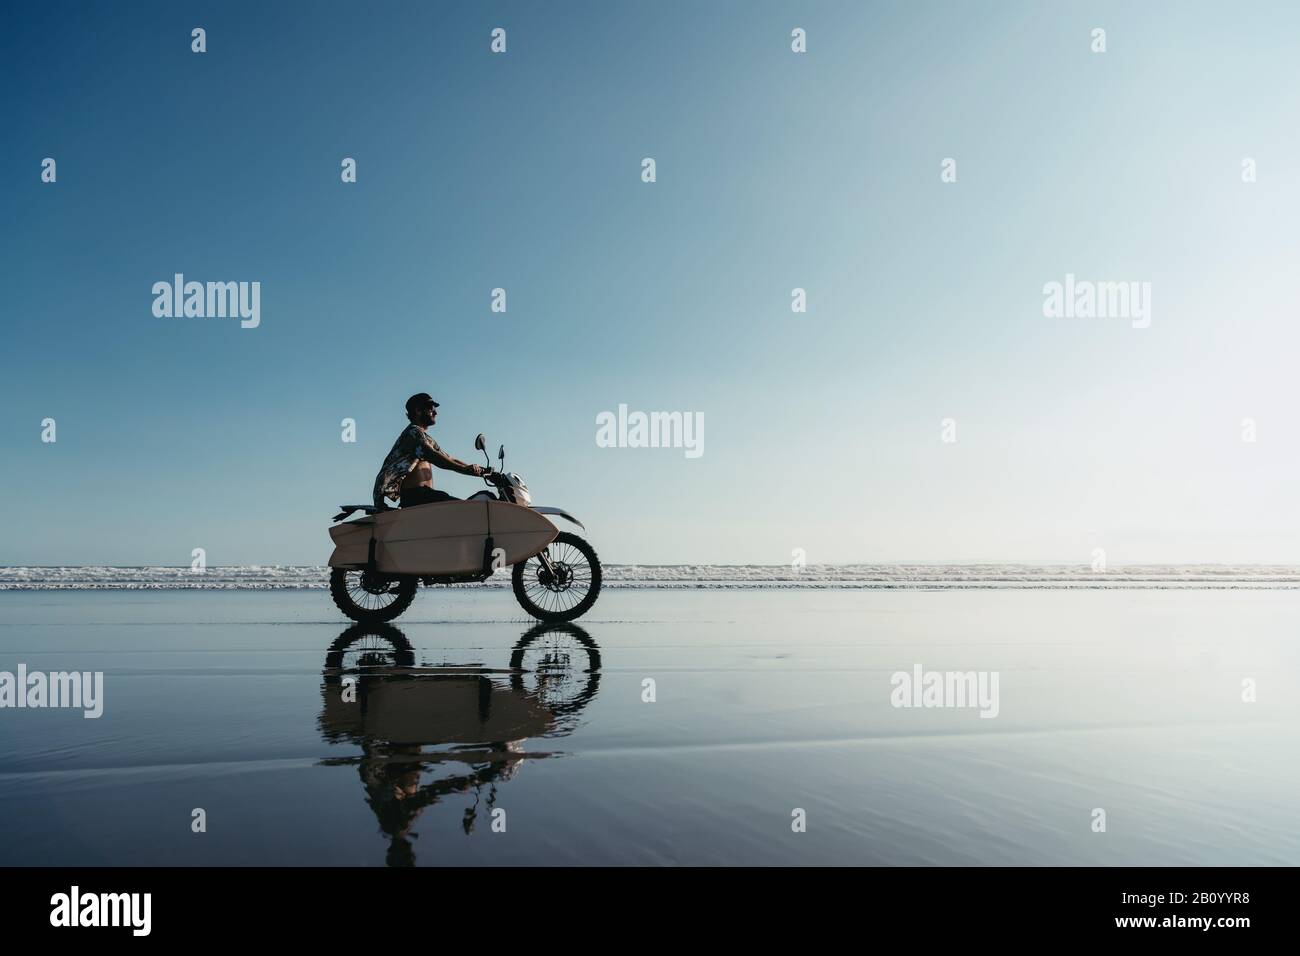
(407, 450)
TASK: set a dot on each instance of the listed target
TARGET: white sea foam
(838, 576)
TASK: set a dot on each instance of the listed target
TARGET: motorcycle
(380, 559)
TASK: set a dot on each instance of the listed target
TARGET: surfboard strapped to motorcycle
(381, 558)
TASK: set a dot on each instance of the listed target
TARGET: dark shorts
(423, 496)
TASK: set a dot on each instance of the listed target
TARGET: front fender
(540, 509)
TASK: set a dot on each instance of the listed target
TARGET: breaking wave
(837, 576)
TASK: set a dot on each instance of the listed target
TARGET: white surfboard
(445, 537)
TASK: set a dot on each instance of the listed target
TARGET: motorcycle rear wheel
(371, 598)
(566, 597)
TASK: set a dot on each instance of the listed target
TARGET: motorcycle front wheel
(369, 597)
(567, 592)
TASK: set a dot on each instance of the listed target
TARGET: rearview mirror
(480, 442)
(501, 453)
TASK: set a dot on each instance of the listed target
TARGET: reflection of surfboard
(445, 537)
(435, 709)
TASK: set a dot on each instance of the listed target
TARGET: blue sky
(775, 170)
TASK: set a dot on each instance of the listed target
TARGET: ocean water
(710, 576)
(466, 735)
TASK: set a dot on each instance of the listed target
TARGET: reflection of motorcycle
(477, 718)
(380, 559)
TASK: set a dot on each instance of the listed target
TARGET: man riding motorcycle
(407, 473)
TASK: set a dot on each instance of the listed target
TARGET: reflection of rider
(391, 775)
(393, 713)
(407, 472)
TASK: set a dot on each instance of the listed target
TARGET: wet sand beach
(467, 735)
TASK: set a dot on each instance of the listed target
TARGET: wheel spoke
(376, 596)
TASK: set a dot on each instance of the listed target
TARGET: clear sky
(775, 170)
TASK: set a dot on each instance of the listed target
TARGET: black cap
(419, 400)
